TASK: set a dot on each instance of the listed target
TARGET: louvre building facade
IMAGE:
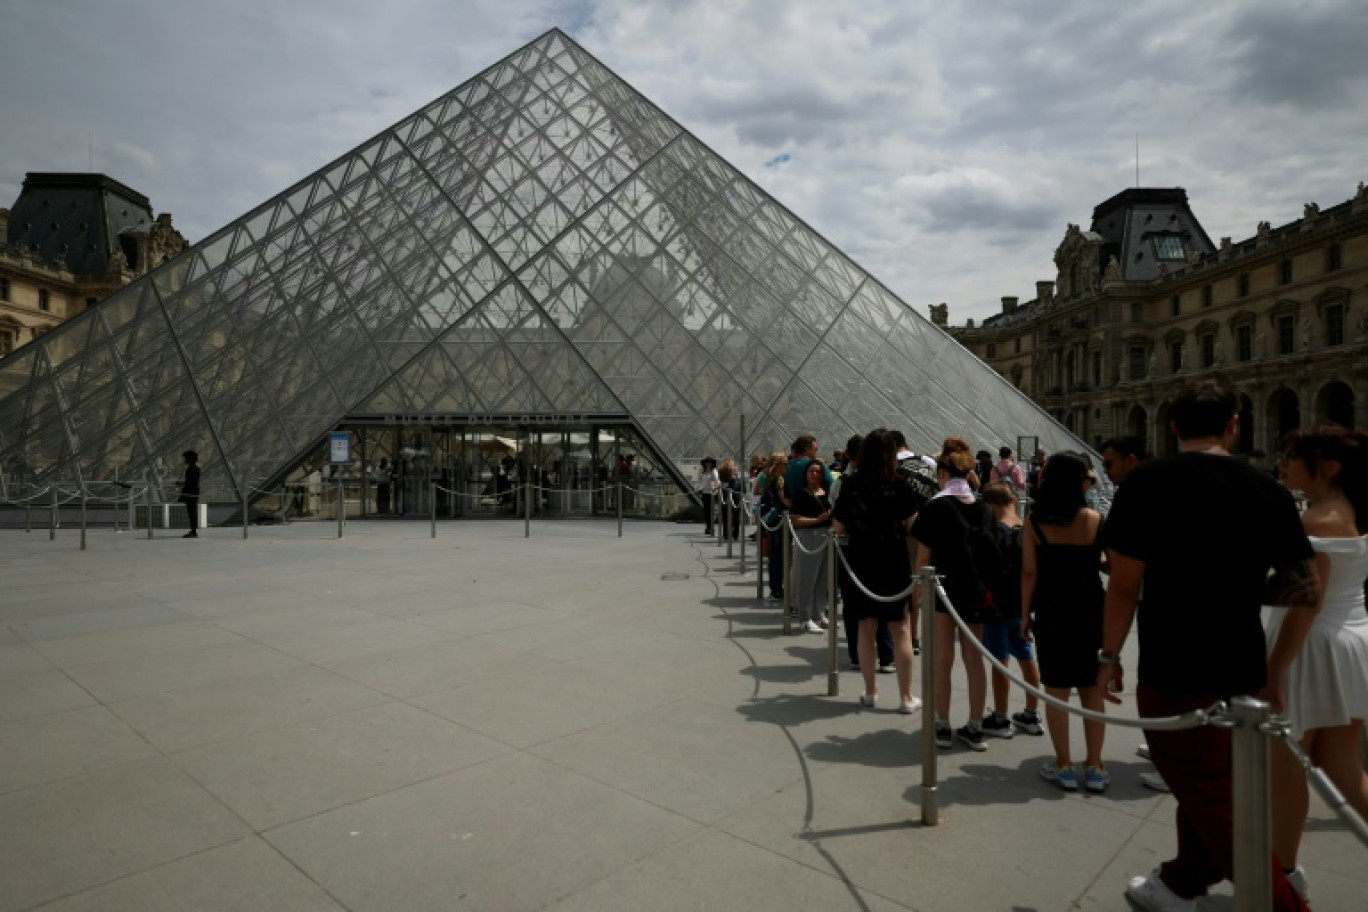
(1144, 303)
(540, 268)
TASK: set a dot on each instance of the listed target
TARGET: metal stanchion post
(52, 516)
(147, 481)
(927, 600)
(340, 506)
(28, 516)
(761, 535)
(833, 675)
(619, 507)
(527, 508)
(83, 517)
(1252, 817)
(246, 509)
(433, 502)
(788, 575)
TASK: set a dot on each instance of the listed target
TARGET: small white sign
(340, 447)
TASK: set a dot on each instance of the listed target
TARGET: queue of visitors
(1194, 580)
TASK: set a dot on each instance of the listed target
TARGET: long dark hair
(1331, 442)
(1060, 496)
(878, 456)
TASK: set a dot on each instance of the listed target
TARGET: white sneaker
(1151, 894)
(1154, 781)
(813, 627)
(1297, 878)
(912, 704)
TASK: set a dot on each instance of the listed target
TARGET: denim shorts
(1003, 638)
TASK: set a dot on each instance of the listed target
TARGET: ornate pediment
(1076, 259)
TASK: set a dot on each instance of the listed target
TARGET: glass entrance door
(413, 475)
(480, 470)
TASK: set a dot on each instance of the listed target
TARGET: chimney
(4, 226)
(1044, 291)
(940, 314)
(1009, 303)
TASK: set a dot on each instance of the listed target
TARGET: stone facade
(1282, 315)
(42, 280)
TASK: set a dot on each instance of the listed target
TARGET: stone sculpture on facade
(165, 241)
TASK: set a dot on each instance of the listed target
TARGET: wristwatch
(1107, 657)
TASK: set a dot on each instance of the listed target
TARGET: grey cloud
(973, 209)
(774, 116)
(1308, 57)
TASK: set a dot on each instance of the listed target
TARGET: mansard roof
(76, 219)
(1149, 229)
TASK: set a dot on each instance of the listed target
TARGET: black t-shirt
(809, 505)
(873, 511)
(939, 529)
(1208, 528)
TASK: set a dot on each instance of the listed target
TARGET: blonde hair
(727, 471)
(954, 445)
(956, 462)
(776, 459)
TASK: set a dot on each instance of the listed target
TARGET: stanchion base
(833, 683)
(930, 807)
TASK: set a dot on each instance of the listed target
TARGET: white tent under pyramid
(539, 246)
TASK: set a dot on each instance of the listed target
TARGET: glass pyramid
(540, 241)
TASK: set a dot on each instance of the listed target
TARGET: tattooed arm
(1297, 585)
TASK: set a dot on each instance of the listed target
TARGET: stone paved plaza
(483, 721)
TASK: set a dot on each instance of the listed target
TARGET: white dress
(1328, 683)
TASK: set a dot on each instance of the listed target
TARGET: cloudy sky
(943, 145)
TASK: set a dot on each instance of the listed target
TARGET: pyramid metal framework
(540, 241)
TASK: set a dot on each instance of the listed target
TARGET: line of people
(1234, 591)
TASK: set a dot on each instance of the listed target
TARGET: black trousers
(191, 502)
(708, 501)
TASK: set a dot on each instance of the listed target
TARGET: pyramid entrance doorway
(481, 467)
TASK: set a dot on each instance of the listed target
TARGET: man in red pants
(1197, 533)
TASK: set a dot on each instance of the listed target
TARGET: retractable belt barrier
(1252, 726)
(1249, 719)
(102, 494)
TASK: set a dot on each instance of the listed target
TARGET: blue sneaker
(1064, 777)
(1096, 779)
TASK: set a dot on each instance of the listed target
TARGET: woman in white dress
(1324, 692)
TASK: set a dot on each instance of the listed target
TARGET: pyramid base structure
(539, 267)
